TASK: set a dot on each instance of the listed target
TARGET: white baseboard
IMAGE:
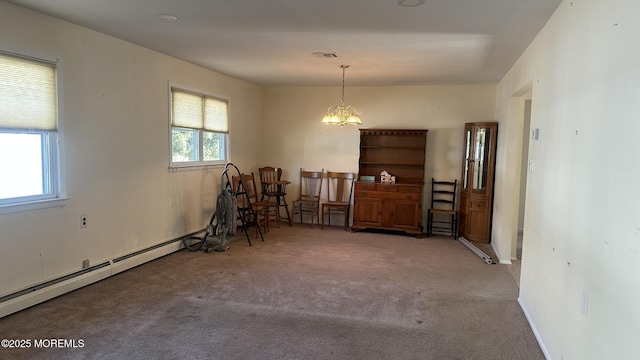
(133, 261)
(43, 292)
(35, 297)
(535, 331)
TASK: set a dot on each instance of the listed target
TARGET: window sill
(34, 205)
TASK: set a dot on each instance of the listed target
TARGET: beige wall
(114, 117)
(582, 216)
(295, 138)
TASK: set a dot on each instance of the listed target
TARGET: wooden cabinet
(476, 194)
(395, 206)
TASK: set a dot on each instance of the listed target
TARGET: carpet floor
(301, 294)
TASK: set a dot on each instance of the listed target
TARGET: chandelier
(341, 114)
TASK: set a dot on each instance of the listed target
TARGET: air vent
(325, 55)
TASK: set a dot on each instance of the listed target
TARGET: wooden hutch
(390, 206)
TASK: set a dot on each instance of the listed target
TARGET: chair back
(268, 176)
(310, 185)
(443, 194)
(249, 183)
(340, 186)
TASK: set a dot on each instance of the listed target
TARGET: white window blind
(195, 111)
(27, 94)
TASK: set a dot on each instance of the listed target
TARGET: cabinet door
(405, 214)
(467, 159)
(481, 172)
(478, 220)
(476, 195)
(366, 211)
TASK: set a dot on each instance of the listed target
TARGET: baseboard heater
(486, 258)
(47, 290)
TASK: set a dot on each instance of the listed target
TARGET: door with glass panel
(476, 197)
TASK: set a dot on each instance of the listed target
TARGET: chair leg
(300, 211)
(316, 211)
(286, 209)
(455, 226)
(452, 229)
(346, 218)
(277, 217)
(265, 214)
(277, 212)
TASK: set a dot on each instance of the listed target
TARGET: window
(28, 130)
(199, 129)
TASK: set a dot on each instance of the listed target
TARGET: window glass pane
(22, 165)
(213, 146)
(184, 145)
(481, 161)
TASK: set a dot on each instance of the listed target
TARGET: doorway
(524, 115)
(524, 170)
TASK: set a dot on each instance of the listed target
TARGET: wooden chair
(339, 192)
(442, 217)
(273, 188)
(308, 201)
(261, 210)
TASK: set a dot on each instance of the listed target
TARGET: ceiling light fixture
(325, 55)
(410, 3)
(341, 114)
(167, 17)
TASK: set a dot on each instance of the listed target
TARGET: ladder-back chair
(442, 216)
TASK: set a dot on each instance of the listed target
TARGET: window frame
(56, 196)
(200, 163)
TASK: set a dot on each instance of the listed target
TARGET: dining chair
(339, 192)
(308, 201)
(442, 216)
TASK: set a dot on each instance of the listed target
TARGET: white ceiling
(272, 42)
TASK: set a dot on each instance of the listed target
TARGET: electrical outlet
(83, 221)
(535, 134)
(85, 263)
